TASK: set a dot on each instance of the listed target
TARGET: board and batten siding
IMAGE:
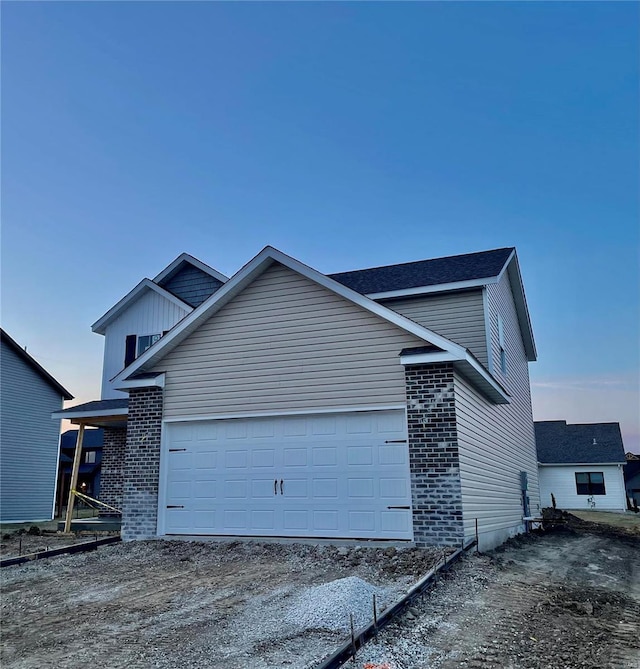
(458, 316)
(561, 481)
(150, 314)
(497, 442)
(29, 441)
(286, 343)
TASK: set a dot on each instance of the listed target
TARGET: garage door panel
(338, 474)
(295, 457)
(263, 457)
(360, 455)
(324, 456)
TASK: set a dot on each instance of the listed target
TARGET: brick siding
(142, 464)
(112, 468)
(433, 455)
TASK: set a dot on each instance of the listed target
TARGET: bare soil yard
(567, 599)
(185, 604)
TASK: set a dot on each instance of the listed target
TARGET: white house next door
(334, 475)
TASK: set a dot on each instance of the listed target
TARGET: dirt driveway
(179, 604)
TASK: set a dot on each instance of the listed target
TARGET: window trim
(153, 338)
(590, 485)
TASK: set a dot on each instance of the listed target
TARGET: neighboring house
(28, 435)
(385, 403)
(90, 465)
(632, 480)
(581, 465)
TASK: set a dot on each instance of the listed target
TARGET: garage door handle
(175, 506)
(399, 507)
(275, 487)
(281, 489)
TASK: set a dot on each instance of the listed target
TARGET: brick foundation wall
(142, 464)
(112, 468)
(433, 455)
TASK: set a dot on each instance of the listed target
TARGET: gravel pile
(328, 606)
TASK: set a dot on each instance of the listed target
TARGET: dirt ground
(174, 604)
(14, 544)
(627, 520)
(567, 599)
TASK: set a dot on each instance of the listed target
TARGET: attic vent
(595, 443)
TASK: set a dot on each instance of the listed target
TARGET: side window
(90, 457)
(503, 353)
(590, 483)
(136, 345)
(145, 342)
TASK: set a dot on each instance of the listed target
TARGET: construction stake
(74, 479)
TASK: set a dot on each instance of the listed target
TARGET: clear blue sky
(347, 135)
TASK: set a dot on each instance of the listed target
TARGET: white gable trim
(437, 288)
(244, 277)
(193, 261)
(146, 284)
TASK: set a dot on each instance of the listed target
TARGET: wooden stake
(74, 478)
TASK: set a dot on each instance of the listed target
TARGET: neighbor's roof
(34, 364)
(587, 443)
(437, 271)
(91, 438)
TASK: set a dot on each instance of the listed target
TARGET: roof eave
(522, 310)
(186, 257)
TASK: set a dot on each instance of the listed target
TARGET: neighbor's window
(145, 341)
(590, 483)
(90, 457)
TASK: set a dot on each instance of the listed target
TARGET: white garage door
(330, 475)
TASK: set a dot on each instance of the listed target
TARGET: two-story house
(385, 403)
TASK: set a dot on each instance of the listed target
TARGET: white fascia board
(244, 277)
(438, 288)
(155, 382)
(426, 358)
(91, 414)
(146, 284)
(522, 310)
(193, 261)
(468, 366)
(580, 464)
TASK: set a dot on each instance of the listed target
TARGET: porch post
(74, 478)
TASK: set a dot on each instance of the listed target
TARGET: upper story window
(145, 342)
(590, 483)
(136, 345)
(503, 352)
(90, 457)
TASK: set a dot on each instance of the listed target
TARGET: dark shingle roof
(91, 438)
(99, 405)
(425, 272)
(559, 443)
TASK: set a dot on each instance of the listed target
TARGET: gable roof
(470, 270)
(585, 443)
(257, 266)
(34, 364)
(423, 273)
(159, 286)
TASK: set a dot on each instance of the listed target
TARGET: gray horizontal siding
(286, 343)
(458, 316)
(497, 441)
(29, 441)
(192, 285)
